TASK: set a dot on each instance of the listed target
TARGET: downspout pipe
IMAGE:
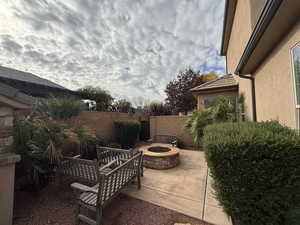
(252, 94)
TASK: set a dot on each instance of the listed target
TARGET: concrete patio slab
(185, 189)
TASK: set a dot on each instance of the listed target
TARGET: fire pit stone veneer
(160, 156)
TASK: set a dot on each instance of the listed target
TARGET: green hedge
(127, 132)
(256, 170)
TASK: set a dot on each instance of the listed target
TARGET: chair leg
(99, 216)
(139, 181)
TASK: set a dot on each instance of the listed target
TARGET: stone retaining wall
(6, 125)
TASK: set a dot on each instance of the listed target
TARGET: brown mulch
(55, 205)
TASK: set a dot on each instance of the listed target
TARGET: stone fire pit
(160, 156)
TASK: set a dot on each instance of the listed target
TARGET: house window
(209, 102)
(296, 65)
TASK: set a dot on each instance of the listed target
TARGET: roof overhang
(276, 20)
(12, 97)
(230, 6)
(4, 100)
(216, 90)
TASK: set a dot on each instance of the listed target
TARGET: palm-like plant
(36, 142)
(221, 111)
(196, 124)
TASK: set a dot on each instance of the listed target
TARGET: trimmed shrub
(293, 217)
(180, 143)
(127, 132)
(256, 170)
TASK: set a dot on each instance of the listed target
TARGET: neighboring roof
(16, 95)
(230, 7)
(17, 75)
(224, 82)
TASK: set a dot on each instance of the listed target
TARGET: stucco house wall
(256, 9)
(275, 83)
(240, 34)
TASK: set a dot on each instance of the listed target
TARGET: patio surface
(56, 205)
(185, 189)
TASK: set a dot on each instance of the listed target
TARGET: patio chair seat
(89, 198)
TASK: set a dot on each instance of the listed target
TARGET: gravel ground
(55, 205)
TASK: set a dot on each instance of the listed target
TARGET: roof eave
(225, 88)
(264, 20)
(276, 21)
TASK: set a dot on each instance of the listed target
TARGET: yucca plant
(36, 142)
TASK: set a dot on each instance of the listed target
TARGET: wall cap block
(9, 158)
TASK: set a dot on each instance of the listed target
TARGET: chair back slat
(86, 170)
(106, 154)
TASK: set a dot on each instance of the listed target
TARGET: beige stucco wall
(256, 9)
(274, 83)
(202, 97)
(241, 32)
(274, 78)
(170, 125)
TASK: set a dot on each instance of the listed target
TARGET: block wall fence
(171, 125)
(101, 123)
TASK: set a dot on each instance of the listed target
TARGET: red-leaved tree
(179, 98)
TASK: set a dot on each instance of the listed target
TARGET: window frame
(297, 106)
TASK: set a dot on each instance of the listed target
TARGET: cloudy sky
(129, 47)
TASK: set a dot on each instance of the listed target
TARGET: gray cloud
(10, 45)
(129, 47)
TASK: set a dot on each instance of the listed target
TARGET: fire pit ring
(160, 156)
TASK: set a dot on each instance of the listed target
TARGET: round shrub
(256, 170)
(127, 132)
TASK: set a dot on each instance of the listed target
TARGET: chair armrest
(73, 157)
(81, 187)
(108, 165)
